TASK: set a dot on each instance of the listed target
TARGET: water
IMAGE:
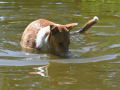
(94, 59)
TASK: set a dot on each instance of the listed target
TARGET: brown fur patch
(30, 33)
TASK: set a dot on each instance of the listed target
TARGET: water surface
(94, 59)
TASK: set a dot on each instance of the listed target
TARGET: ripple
(7, 2)
(77, 15)
(114, 45)
(105, 34)
(22, 62)
(87, 60)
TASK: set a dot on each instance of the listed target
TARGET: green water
(94, 60)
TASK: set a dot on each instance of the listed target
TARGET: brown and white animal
(47, 36)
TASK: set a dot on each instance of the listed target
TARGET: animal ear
(70, 26)
(53, 29)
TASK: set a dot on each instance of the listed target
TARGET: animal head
(60, 38)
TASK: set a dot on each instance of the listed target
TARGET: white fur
(42, 39)
(96, 18)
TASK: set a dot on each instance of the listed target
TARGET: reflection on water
(93, 59)
(64, 76)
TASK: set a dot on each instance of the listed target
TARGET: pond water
(94, 60)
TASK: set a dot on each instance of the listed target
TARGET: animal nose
(39, 48)
(65, 53)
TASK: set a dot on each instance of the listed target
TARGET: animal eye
(60, 44)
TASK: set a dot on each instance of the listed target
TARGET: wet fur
(29, 35)
(47, 36)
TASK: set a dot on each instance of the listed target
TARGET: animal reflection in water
(58, 74)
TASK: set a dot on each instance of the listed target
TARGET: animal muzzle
(64, 53)
(38, 48)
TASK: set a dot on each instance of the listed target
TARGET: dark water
(94, 60)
